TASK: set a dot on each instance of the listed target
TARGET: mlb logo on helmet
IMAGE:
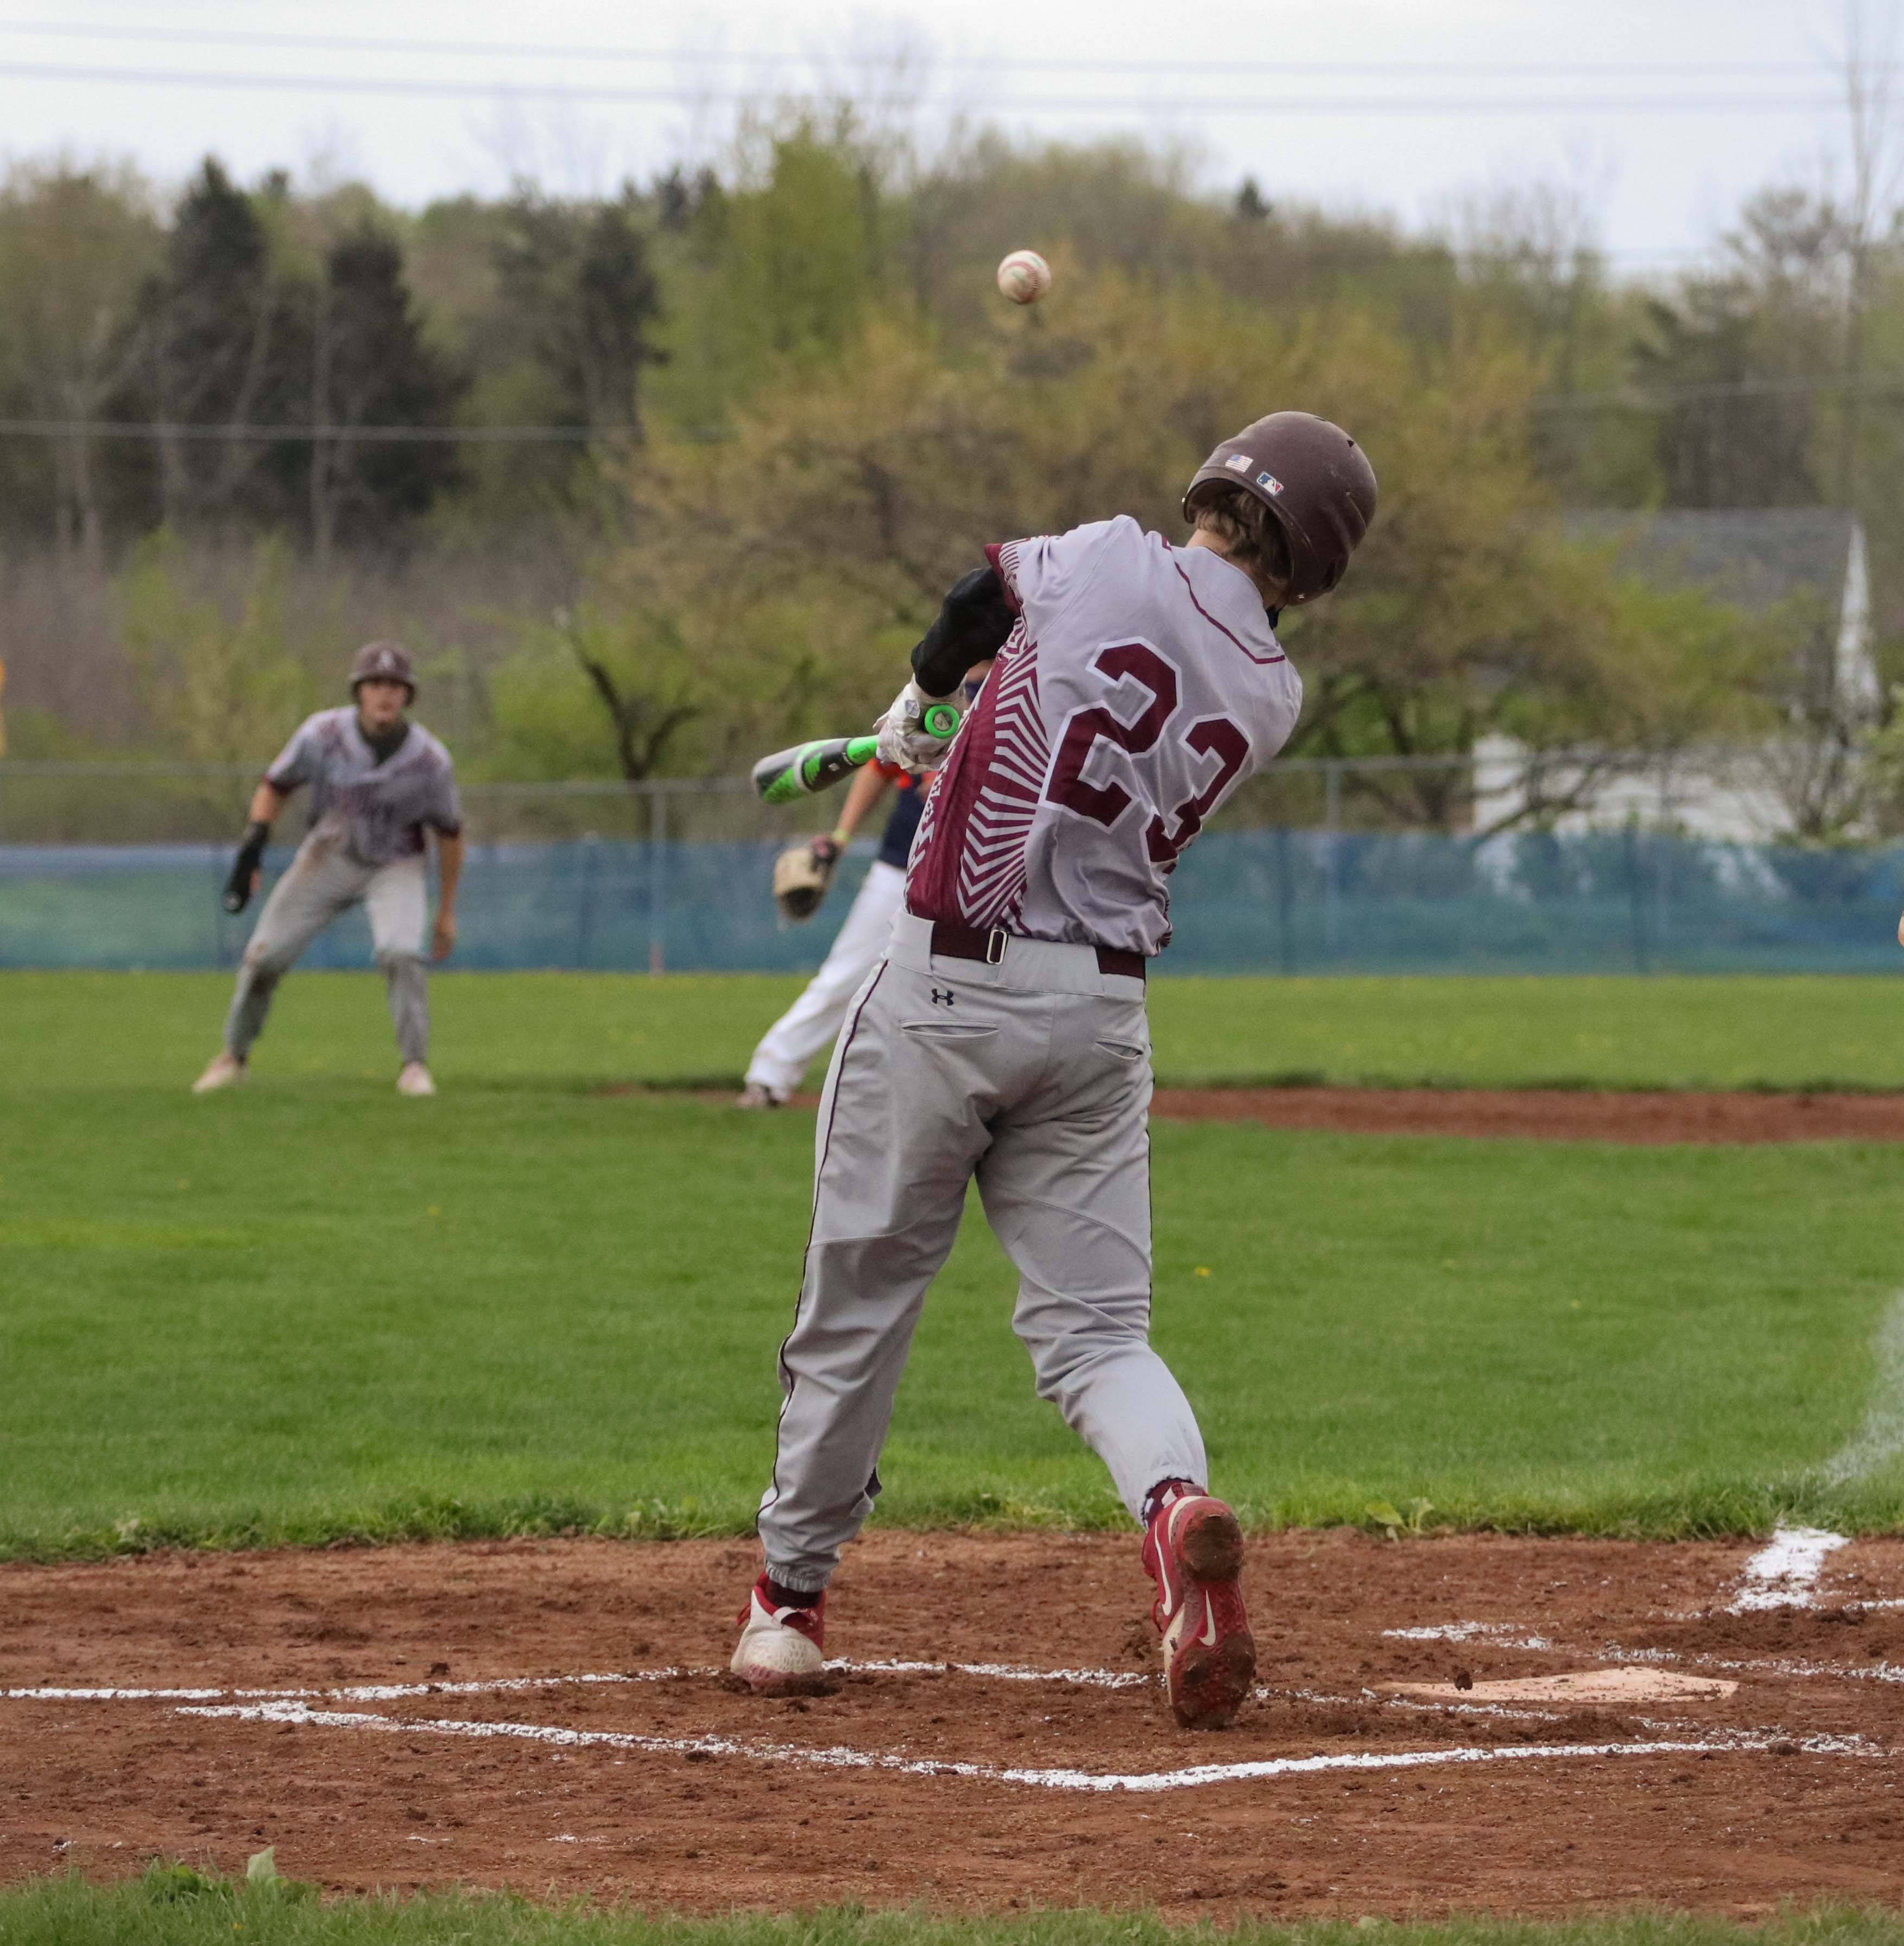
(1269, 482)
(1239, 462)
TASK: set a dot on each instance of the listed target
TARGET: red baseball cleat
(1193, 1550)
(781, 1651)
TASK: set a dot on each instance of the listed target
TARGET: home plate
(1587, 1686)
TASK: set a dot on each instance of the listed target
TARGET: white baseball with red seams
(1024, 276)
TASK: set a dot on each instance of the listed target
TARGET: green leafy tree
(853, 495)
(220, 679)
(776, 268)
(75, 246)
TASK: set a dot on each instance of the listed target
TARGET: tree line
(780, 405)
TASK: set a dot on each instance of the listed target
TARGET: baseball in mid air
(1024, 276)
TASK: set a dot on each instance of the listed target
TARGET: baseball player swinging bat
(1137, 682)
(808, 767)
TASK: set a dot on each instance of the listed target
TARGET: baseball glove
(802, 874)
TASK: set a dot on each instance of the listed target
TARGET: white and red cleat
(1193, 1550)
(781, 1651)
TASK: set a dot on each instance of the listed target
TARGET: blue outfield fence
(1257, 901)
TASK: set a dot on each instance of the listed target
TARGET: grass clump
(174, 1905)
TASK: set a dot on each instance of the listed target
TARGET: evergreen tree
(586, 298)
(214, 330)
(370, 366)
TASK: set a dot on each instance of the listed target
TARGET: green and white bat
(807, 767)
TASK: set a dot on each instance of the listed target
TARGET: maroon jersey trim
(970, 850)
(1003, 556)
(1261, 661)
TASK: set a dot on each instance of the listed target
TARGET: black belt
(951, 940)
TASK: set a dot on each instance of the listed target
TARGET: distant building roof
(1755, 556)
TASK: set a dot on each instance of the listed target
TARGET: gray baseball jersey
(377, 810)
(1141, 684)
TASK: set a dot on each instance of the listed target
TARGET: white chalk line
(1780, 1666)
(1879, 1440)
(843, 1757)
(304, 1706)
(1499, 1635)
(392, 1692)
(1094, 1678)
(1785, 1573)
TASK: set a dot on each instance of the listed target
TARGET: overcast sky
(1665, 113)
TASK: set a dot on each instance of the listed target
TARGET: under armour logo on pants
(943, 996)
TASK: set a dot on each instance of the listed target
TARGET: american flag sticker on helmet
(1239, 462)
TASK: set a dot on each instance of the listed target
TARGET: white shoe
(415, 1079)
(224, 1071)
(758, 1095)
(781, 1651)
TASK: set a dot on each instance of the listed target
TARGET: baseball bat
(807, 767)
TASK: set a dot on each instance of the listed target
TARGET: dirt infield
(1539, 1114)
(1549, 1114)
(552, 1716)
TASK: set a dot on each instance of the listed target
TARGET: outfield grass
(308, 1308)
(575, 1029)
(174, 1907)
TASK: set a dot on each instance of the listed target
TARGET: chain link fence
(1311, 869)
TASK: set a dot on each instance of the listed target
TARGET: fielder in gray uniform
(1003, 1035)
(378, 782)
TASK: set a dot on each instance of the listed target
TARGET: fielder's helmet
(383, 661)
(1313, 477)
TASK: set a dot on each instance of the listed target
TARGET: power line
(344, 435)
(1634, 398)
(531, 50)
(1291, 105)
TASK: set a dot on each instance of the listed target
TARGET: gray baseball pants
(1032, 1075)
(324, 880)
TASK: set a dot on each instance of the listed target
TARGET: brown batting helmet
(1314, 479)
(383, 661)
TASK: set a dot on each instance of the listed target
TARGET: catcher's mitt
(802, 874)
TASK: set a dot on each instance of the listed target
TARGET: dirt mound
(1533, 1114)
(555, 1716)
(1549, 1114)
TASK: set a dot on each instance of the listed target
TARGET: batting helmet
(1313, 477)
(383, 661)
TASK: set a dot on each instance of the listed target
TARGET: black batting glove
(245, 866)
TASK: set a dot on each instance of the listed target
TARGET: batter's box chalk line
(393, 1692)
(1785, 1573)
(841, 1757)
(301, 1706)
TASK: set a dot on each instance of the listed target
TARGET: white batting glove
(903, 739)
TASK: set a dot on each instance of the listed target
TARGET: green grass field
(562, 1030)
(173, 1907)
(309, 1309)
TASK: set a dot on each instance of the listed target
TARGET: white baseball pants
(787, 1049)
(1034, 1076)
(323, 882)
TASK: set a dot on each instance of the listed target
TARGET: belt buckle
(995, 945)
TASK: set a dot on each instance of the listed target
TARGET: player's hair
(1252, 536)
